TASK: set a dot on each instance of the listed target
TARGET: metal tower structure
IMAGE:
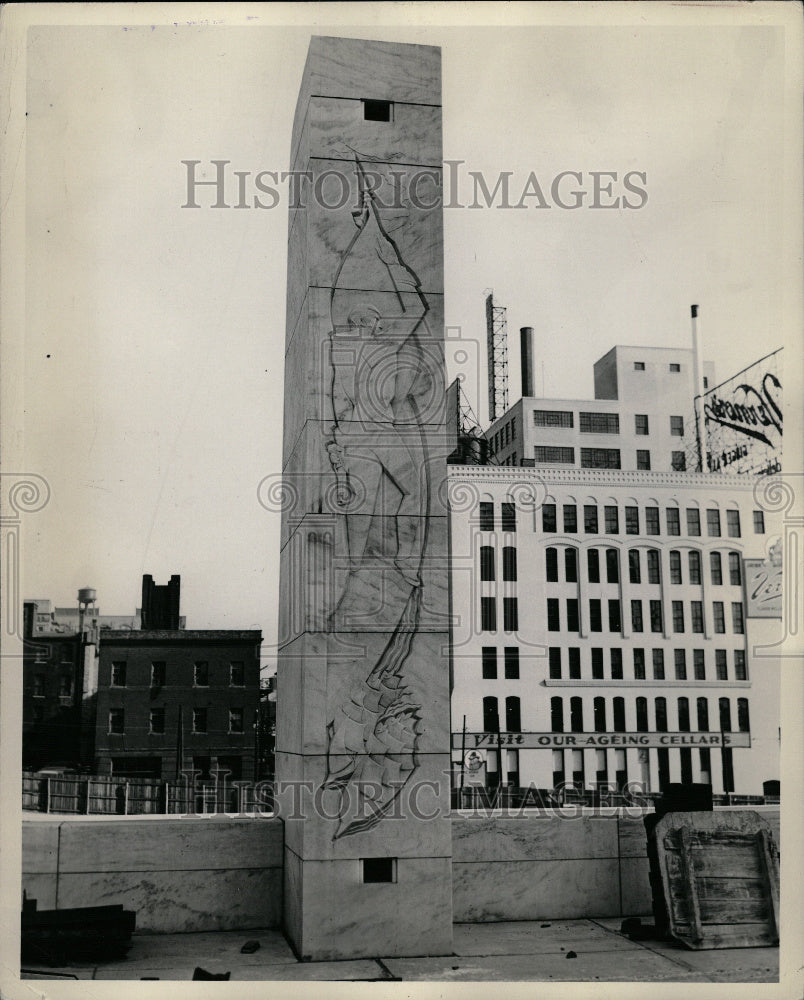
(497, 338)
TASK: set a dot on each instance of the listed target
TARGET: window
(739, 665)
(693, 521)
(599, 714)
(571, 565)
(675, 368)
(699, 665)
(557, 715)
(486, 516)
(615, 618)
(656, 616)
(574, 663)
(593, 565)
(554, 655)
(737, 617)
(632, 520)
(39, 686)
(703, 714)
(654, 569)
(548, 517)
(641, 423)
(378, 870)
(721, 666)
(652, 520)
(618, 711)
(118, 674)
(158, 673)
(680, 664)
(572, 615)
(510, 614)
(508, 517)
(639, 664)
(677, 426)
(597, 663)
(513, 722)
(546, 454)
(678, 461)
(733, 523)
(377, 111)
(199, 720)
(743, 723)
(616, 664)
(634, 572)
(724, 708)
(235, 720)
(658, 664)
(735, 577)
(672, 516)
(552, 418)
(643, 459)
(675, 567)
(600, 458)
(639, 366)
(157, 721)
(590, 518)
(117, 721)
(65, 686)
(661, 715)
(489, 663)
(694, 560)
(576, 715)
(684, 714)
(713, 523)
(612, 566)
(759, 522)
(570, 517)
(720, 617)
(488, 614)
(486, 562)
(637, 624)
(599, 423)
(612, 520)
(553, 620)
(551, 565)
(237, 674)
(491, 715)
(595, 616)
(696, 611)
(642, 715)
(678, 616)
(715, 568)
(201, 674)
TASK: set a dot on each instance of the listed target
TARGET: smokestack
(526, 360)
(700, 427)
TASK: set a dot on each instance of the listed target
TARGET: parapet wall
(207, 873)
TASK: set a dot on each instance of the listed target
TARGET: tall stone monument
(363, 706)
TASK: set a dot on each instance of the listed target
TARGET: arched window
(593, 565)
(486, 562)
(571, 565)
(642, 715)
(599, 711)
(735, 576)
(743, 723)
(513, 722)
(491, 715)
(576, 715)
(694, 559)
(612, 566)
(684, 715)
(661, 715)
(509, 562)
(551, 564)
(618, 710)
(703, 715)
(557, 715)
(725, 715)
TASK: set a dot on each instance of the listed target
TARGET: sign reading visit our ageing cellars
(595, 741)
(743, 420)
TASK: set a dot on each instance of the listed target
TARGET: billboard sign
(596, 741)
(763, 583)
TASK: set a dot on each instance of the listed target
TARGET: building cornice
(600, 477)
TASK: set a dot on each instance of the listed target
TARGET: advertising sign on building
(763, 583)
(596, 741)
(743, 420)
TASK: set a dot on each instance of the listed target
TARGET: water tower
(86, 603)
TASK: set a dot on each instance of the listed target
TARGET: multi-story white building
(601, 621)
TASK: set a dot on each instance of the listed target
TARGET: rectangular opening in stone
(378, 869)
(377, 111)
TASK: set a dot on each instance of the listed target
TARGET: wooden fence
(85, 794)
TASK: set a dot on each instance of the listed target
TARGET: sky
(152, 357)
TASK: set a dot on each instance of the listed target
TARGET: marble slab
(40, 846)
(493, 839)
(636, 896)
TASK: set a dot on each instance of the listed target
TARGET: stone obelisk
(363, 714)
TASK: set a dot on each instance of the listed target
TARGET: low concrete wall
(204, 874)
(218, 873)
